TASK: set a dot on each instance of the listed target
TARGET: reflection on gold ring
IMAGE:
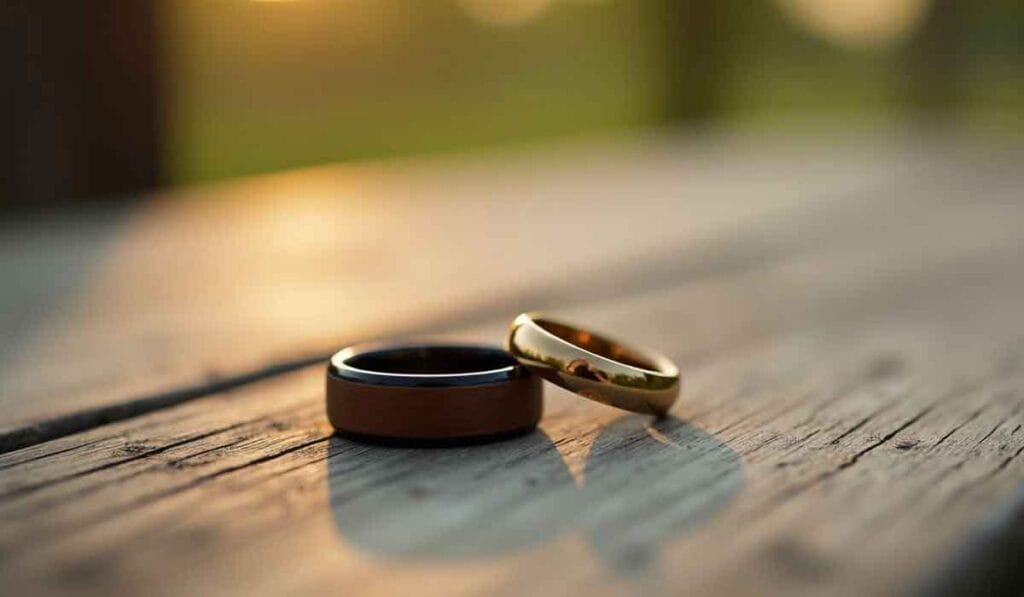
(594, 366)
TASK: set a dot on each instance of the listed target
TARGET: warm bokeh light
(857, 23)
(260, 86)
(504, 12)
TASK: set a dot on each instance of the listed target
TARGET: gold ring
(594, 366)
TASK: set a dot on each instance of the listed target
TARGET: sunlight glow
(857, 23)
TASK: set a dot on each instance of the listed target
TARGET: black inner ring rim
(427, 366)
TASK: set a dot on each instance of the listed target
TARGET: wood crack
(961, 425)
(49, 454)
(176, 463)
(998, 425)
(856, 457)
(90, 418)
(855, 427)
(154, 497)
(1006, 462)
(792, 492)
(26, 489)
(254, 462)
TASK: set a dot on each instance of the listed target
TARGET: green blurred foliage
(258, 86)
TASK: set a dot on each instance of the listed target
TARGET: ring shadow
(644, 481)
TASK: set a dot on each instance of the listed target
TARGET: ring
(594, 366)
(433, 394)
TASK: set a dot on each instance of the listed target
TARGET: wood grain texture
(852, 412)
(111, 314)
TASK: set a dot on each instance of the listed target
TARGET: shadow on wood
(643, 482)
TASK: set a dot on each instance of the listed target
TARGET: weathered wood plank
(848, 414)
(119, 313)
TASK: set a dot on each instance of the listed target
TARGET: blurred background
(814, 206)
(106, 98)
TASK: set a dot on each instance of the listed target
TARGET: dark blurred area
(104, 99)
(81, 108)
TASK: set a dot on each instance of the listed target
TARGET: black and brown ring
(431, 394)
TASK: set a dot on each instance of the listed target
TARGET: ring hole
(432, 360)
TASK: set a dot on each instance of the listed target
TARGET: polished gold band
(594, 366)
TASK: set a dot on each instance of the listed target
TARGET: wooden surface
(193, 289)
(846, 313)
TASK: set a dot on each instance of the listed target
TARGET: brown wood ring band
(424, 395)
